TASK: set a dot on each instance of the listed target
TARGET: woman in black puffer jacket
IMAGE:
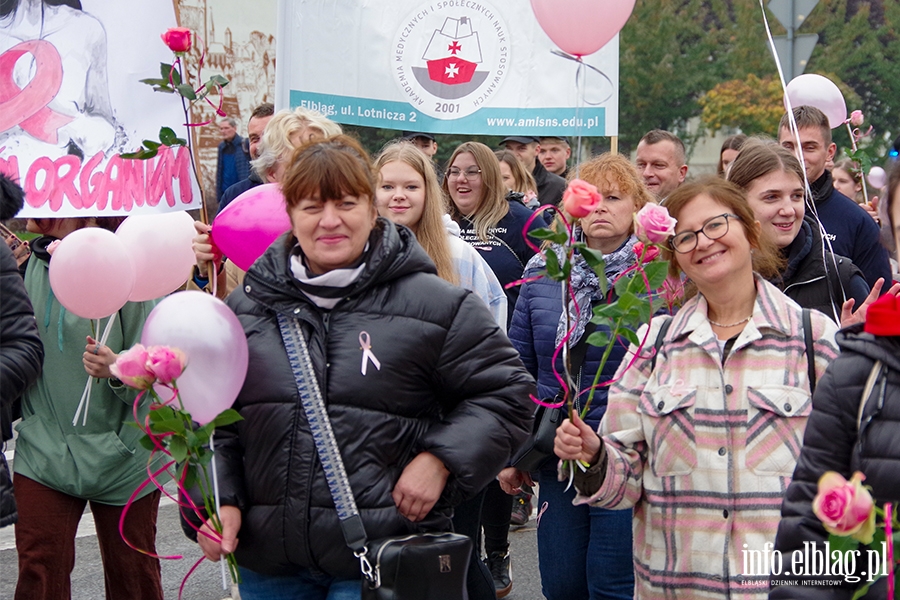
(835, 441)
(425, 419)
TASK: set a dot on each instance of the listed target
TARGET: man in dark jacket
(848, 431)
(550, 187)
(256, 126)
(851, 231)
(21, 350)
(232, 163)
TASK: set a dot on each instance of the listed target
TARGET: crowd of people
(431, 330)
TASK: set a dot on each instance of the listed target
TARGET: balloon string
(581, 62)
(581, 98)
(215, 475)
(795, 133)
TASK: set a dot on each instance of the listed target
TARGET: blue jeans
(302, 586)
(583, 551)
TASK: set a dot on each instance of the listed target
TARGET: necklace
(741, 322)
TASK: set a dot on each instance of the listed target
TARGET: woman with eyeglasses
(493, 223)
(488, 219)
(702, 441)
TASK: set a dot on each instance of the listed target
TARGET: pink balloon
(820, 92)
(581, 27)
(160, 247)
(249, 225)
(91, 273)
(212, 338)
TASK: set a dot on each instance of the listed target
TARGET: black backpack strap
(660, 338)
(810, 351)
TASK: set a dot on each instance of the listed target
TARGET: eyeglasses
(713, 229)
(470, 173)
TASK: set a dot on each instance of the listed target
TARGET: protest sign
(71, 102)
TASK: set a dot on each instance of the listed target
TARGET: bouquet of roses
(851, 519)
(169, 429)
(630, 304)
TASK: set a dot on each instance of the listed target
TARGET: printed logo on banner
(450, 57)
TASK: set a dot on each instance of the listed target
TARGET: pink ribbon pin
(365, 344)
(27, 106)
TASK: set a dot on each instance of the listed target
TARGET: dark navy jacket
(853, 233)
(533, 334)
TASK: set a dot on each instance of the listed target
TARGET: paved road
(205, 583)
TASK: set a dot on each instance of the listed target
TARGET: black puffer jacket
(450, 383)
(823, 284)
(830, 444)
(21, 358)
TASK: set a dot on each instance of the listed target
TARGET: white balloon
(877, 177)
(820, 92)
(160, 248)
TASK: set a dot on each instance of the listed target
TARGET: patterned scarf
(586, 286)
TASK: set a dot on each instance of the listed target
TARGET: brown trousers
(45, 541)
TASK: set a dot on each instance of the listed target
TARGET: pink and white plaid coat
(704, 451)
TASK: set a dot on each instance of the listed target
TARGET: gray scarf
(586, 285)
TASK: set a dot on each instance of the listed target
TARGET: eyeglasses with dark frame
(470, 173)
(713, 229)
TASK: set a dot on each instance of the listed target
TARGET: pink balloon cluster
(581, 27)
(94, 272)
(211, 337)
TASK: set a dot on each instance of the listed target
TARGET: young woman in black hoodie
(812, 276)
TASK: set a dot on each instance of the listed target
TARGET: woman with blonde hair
(702, 440)
(408, 194)
(284, 132)
(488, 220)
(583, 552)
(517, 178)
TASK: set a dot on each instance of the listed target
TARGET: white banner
(441, 66)
(71, 101)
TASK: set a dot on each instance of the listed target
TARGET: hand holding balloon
(205, 251)
(97, 359)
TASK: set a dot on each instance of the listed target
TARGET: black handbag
(410, 567)
(539, 447)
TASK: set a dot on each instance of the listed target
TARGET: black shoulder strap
(579, 350)
(660, 338)
(810, 351)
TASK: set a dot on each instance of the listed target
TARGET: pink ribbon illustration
(366, 346)
(27, 106)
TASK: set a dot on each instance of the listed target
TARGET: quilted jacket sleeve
(486, 391)
(827, 446)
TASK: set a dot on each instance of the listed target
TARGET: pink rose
(131, 368)
(646, 253)
(845, 507)
(165, 363)
(178, 39)
(581, 198)
(857, 118)
(652, 224)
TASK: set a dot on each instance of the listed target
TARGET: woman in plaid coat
(703, 445)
